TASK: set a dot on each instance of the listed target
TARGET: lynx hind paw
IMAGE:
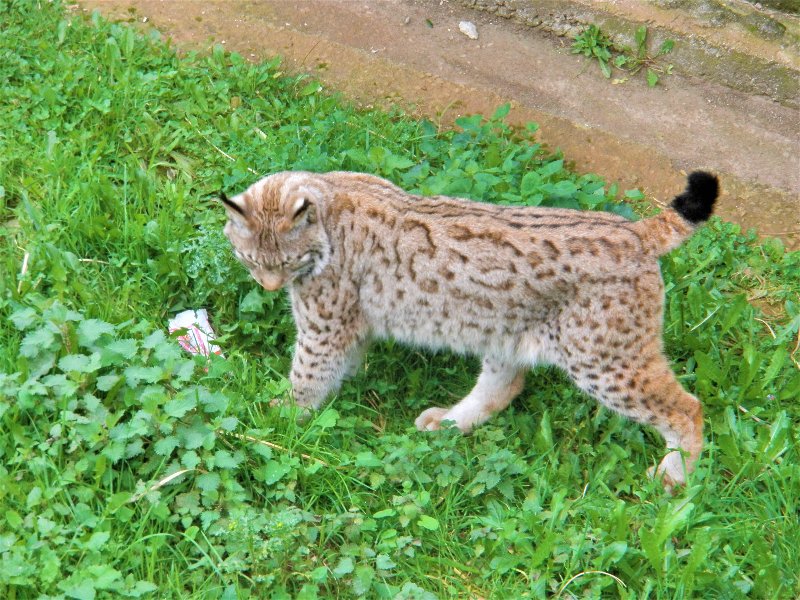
(430, 419)
(666, 480)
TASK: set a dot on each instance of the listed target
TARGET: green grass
(111, 145)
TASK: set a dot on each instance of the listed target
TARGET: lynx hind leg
(496, 387)
(645, 389)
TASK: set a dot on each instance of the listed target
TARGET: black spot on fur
(697, 203)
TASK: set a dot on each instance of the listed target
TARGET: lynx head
(276, 228)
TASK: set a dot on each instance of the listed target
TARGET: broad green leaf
(34, 497)
(707, 367)
(780, 358)
(544, 547)
(362, 579)
(97, 540)
(634, 194)
(274, 471)
(105, 577)
(328, 418)
(79, 363)
(167, 353)
(124, 348)
(308, 592)
(733, 312)
(613, 553)
(24, 318)
(428, 522)
(118, 500)
(228, 423)
(225, 460)
(194, 436)
(190, 459)
(384, 562)
(345, 567)
(253, 302)
(311, 88)
(166, 445)
(208, 518)
(180, 405)
(13, 519)
(106, 382)
(653, 549)
(551, 168)
(368, 459)
(501, 112)
(155, 339)
(392, 162)
(91, 330)
(213, 402)
(208, 482)
(135, 375)
(641, 35)
(666, 47)
(61, 386)
(83, 590)
(37, 341)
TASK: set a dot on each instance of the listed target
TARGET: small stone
(407, 20)
(468, 29)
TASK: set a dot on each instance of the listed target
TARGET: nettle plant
(124, 415)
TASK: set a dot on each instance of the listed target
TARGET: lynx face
(275, 230)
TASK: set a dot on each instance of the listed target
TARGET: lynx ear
(303, 207)
(301, 200)
(238, 211)
(236, 208)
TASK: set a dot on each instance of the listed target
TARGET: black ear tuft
(696, 203)
(230, 204)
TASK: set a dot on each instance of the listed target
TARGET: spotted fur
(517, 286)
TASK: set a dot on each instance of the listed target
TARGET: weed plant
(130, 469)
(595, 44)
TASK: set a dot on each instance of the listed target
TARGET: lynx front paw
(431, 419)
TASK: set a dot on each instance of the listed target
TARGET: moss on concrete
(787, 6)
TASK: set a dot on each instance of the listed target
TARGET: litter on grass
(199, 337)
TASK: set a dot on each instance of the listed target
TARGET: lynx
(515, 286)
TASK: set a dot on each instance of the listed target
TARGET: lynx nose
(270, 281)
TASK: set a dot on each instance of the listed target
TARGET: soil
(411, 53)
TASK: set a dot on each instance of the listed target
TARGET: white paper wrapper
(199, 337)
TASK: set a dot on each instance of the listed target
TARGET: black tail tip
(696, 203)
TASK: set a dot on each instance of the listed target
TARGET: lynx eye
(245, 260)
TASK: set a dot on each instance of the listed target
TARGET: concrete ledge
(731, 43)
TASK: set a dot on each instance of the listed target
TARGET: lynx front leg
(320, 363)
(497, 386)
